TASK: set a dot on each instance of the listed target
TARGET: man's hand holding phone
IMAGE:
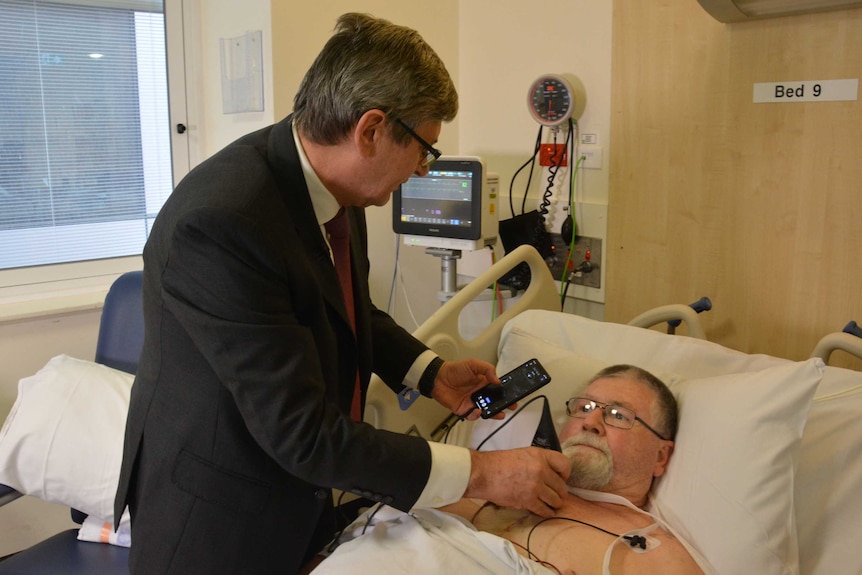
(515, 385)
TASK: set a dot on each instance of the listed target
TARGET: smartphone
(515, 385)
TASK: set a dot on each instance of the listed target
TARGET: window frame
(68, 286)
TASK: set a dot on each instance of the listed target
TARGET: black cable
(532, 160)
(565, 291)
(371, 516)
(634, 540)
(556, 163)
(334, 543)
(571, 141)
(338, 507)
(549, 189)
(567, 280)
(505, 423)
(461, 418)
(532, 167)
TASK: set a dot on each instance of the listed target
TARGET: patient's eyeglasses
(613, 415)
(432, 154)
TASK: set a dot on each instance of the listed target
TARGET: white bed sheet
(423, 542)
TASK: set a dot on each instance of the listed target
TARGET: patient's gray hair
(666, 414)
(370, 63)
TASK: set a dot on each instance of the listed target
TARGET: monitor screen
(446, 203)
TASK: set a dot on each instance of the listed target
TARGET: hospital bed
(767, 471)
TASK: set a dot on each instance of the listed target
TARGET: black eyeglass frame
(433, 153)
(605, 412)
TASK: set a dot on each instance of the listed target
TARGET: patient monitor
(453, 207)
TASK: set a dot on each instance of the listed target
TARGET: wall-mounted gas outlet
(592, 157)
(586, 249)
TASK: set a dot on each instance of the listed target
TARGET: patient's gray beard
(589, 469)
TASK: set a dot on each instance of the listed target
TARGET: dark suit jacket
(238, 425)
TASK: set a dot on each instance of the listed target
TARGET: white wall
(229, 19)
(504, 46)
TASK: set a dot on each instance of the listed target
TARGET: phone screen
(515, 385)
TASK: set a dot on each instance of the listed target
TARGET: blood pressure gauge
(552, 100)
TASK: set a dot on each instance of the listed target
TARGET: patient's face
(606, 458)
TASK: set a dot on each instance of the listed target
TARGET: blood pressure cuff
(528, 228)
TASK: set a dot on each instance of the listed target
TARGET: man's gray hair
(370, 63)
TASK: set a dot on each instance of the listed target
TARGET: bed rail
(441, 333)
(673, 314)
(849, 340)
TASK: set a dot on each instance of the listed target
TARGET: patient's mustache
(589, 439)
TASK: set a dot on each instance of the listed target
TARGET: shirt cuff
(418, 368)
(450, 474)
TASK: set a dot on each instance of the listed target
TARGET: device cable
(532, 161)
(566, 278)
(634, 540)
(345, 521)
(398, 277)
(509, 419)
(391, 301)
(407, 299)
(497, 299)
(549, 189)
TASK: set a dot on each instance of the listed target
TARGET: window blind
(85, 159)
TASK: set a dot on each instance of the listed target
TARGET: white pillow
(63, 440)
(829, 477)
(646, 348)
(729, 487)
(570, 372)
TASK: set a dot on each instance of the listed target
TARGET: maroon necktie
(338, 229)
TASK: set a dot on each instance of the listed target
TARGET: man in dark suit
(239, 423)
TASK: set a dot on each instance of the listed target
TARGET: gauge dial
(551, 100)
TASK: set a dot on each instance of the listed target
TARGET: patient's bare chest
(573, 542)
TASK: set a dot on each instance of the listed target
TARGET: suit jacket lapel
(284, 159)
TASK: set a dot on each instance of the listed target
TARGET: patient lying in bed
(619, 439)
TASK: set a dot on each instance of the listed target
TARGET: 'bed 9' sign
(807, 91)
(782, 91)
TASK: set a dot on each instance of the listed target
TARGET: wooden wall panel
(755, 205)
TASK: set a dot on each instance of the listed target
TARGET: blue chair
(121, 338)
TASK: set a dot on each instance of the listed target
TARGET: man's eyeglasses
(432, 153)
(613, 415)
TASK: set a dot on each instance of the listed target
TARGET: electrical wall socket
(583, 244)
(592, 156)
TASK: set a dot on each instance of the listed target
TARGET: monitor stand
(448, 272)
(449, 277)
